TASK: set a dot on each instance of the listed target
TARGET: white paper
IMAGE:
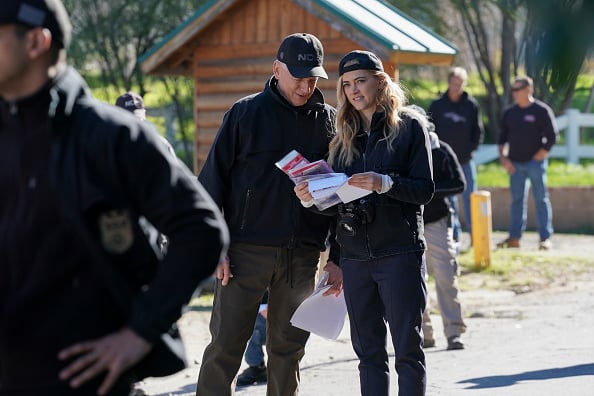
(321, 315)
(326, 182)
(348, 193)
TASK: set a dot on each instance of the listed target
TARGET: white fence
(572, 150)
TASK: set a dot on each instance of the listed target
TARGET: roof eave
(422, 58)
(151, 61)
(375, 42)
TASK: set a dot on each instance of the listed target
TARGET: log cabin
(228, 46)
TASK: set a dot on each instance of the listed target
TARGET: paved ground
(537, 343)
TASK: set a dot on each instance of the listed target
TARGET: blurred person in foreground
(528, 132)
(457, 118)
(275, 242)
(76, 175)
(384, 148)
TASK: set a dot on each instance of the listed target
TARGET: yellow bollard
(480, 209)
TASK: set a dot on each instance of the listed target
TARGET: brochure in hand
(326, 187)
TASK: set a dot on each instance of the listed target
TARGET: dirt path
(533, 343)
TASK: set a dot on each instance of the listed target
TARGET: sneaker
(428, 343)
(545, 244)
(454, 343)
(509, 243)
(253, 375)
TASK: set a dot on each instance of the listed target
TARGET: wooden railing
(569, 124)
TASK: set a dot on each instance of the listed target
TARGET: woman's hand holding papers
(368, 181)
(334, 279)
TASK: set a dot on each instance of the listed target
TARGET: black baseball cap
(49, 14)
(130, 101)
(359, 60)
(303, 54)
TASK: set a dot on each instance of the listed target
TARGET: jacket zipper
(245, 209)
(369, 252)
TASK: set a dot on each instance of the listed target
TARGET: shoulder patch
(116, 231)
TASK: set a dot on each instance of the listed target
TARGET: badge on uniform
(115, 227)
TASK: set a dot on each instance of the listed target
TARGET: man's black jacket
(256, 197)
(105, 168)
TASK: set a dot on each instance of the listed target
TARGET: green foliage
(110, 36)
(519, 270)
(560, 174)
(582, 90)
(558, 37)
(156, 97)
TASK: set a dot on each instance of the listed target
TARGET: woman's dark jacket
(397, 225)
(257, 198)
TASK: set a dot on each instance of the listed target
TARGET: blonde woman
(384, 148)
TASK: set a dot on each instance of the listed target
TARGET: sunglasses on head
(519, 88)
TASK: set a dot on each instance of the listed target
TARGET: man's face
(13, 61)
(297, 91)
(520, 91)
(456, 86)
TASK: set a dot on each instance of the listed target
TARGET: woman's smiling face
(360, 88)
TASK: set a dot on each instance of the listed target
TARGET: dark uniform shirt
(527, 130)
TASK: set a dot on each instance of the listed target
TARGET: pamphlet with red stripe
(326, 187)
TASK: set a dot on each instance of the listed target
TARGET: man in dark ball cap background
(275, 241)
(84, 298)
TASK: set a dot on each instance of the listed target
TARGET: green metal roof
(387, 25)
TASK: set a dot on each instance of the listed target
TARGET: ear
(276, 69)
(381, 85)
(39, 41)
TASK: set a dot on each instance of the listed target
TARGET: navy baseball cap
(49, 14)
(359, 60)
(130, 101)
(303, 54)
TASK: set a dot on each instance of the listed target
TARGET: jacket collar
(58, 95)
(315, 103)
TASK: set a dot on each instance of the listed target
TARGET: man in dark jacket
(84, 297)
(457, 118)
(275, 242)
(441, 250)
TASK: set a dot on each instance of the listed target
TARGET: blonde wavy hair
(390, 99)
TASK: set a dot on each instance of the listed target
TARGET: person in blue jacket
(384, 148)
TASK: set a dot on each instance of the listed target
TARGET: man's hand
(507, 165)
(368, 181)
(223, 271)
(334, 278)
(541, 155)
(114, 353)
